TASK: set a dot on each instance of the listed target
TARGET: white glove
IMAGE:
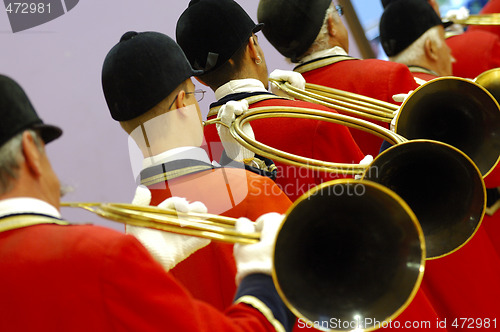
(167, 248)
(142, 196)
(398, 98)
(457, 14)
(367, 160)
(393, 121)
(401, 97)
(227, 113)
(292, 77)
(257, 257)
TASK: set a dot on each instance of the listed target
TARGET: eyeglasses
(198, 94)
(339, 9)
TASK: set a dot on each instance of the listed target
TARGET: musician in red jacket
(417, 41)
(235, 68)
(148, 89)
(222, 42)
(474, 51)
(312, 35)
(492, 217)
(62, 277)
(443, 276)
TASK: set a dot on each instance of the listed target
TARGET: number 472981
(28, 8)
(471, 323)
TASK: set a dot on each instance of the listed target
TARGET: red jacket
(491, 224)
(304, 137)
(466, 283)
(475, 51)
(89, 278)
(422, 73)
(209, 273)
(372, 78)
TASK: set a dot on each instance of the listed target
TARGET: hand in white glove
(227, 113)
(401, 97)
(258, 257)
(398, 98)
(367, 160)
(142, 196)
(292, 77)
(167, 248)
(459, 14)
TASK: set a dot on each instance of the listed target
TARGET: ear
(431, 50)
(32, 155)
(332, 31)
(252, 48)
(180, 101)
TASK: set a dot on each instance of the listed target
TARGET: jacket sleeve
(400, 80)
(139, 296)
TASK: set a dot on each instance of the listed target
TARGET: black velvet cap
(17, 113)
(291, 26)
(386, 3)
(404, 21)
(140, 71)
(211, 31)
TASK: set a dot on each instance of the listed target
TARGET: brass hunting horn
(441, 184)
(490, 80)
(477, 19)
(442, 170)
(348, 249)
(453, 110)
(303, 113)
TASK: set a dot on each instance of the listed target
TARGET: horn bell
(490, 80)
(347, 251)
(441, 185)
(456, 111)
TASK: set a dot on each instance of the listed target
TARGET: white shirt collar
(337, 50)
(184, 152)
(237, 86)
(27, 205)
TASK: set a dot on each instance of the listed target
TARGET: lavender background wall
(59, 65)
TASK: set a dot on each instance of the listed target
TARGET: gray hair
(11, 157)
(413, 54)
(322, 39)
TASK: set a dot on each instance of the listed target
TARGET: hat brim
(446, 23)
(48, 132)
(258, 27)
(197, 72)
